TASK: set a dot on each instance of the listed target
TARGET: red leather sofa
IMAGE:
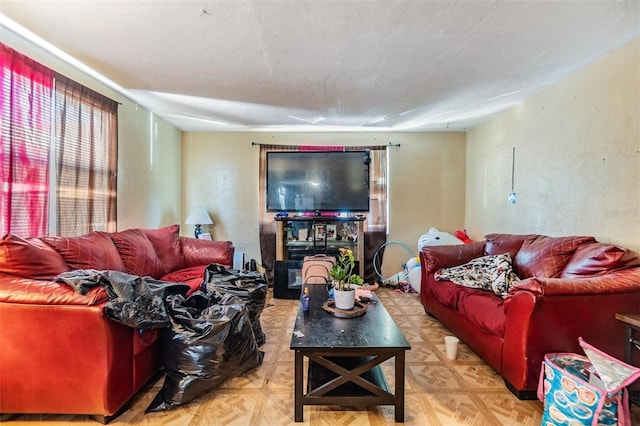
(570, 287)
(58, 353)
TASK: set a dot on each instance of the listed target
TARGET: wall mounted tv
(335, 181)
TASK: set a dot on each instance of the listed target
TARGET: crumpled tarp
(210, 340)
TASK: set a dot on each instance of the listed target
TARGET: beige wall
(150, 152)
(427, 183)
(149, 170)
(577, 167)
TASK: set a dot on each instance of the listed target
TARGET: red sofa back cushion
(30, 258)
(203, 252)
(545, 257)
(91, 251)
(166, 242)
(598, 258)
(137, 253)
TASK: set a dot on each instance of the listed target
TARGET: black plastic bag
(249, 286)
(134, 301)
(138, 301)
(210, 340)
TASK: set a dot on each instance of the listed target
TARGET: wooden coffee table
(344, 359)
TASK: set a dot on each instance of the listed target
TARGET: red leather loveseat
(570, 287)
(58, 353)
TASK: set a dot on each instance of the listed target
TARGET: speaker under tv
(287, 279)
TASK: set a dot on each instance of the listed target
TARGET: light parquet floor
(438, 391)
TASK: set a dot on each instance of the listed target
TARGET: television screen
(325, 181)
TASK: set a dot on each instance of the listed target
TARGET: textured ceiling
(330, 65)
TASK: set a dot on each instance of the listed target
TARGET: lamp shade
(198, 216)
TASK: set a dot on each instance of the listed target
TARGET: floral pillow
(492, 273)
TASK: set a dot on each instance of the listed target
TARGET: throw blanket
(133, 301)
(493, 273)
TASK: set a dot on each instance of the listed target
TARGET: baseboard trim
(523, 395)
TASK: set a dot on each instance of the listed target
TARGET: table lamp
(198, 217)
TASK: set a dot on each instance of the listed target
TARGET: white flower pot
(344, 299)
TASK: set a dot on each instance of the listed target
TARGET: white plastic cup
(451, 346)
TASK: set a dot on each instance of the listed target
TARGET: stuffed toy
(414, 262)
(414, 273)
(462, 236)
(408, 280)
(434, 237)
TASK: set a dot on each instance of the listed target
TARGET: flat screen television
(336, 181)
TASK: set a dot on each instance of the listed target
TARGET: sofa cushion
(445, 292)
(137, 253)
(203, 252)
(192, 276)
(30, 258)
(597, 258)
(504, 243)
(484, 309)
(545, 257)
(91, 251)
(166, 242)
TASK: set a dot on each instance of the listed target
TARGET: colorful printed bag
(590, 391)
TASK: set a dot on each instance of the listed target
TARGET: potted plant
(344, 279)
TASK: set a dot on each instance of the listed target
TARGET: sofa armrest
(203, 252)
(545, 315)
(519, 308)
(620, 281)
(70, 356)
(433, 258)
(19, 290)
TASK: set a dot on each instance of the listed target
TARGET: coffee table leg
(298, 378)
(629, 346)
(399, 391)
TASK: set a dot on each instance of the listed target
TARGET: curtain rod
(397, 145)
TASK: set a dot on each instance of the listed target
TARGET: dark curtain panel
(268, 250)
(372, 241)
(87, 159)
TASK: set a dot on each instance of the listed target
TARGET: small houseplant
(343, 278)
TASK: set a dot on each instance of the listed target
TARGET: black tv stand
(300, 236)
